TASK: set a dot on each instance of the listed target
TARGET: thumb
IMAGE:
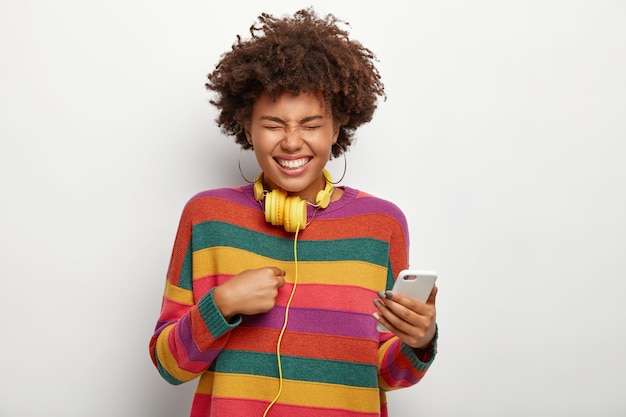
(280, 275)
(433, 296)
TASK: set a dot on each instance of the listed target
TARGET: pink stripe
(237, 407)
(308, 295)
(342, 297)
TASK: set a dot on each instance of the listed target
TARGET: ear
(336, 129)
(246, 129)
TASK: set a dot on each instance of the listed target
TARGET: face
(292, 139)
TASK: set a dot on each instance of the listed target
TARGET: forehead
(287, 106)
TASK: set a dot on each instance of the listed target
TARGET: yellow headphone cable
(282, 331)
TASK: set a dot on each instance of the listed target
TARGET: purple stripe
(186, 339)
(363, 205)
(162, 324)
(317, 321)
(398, 374)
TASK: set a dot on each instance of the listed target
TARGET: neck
(322, 197)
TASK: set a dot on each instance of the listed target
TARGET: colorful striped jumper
(333, 360)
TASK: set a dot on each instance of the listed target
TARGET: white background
(502, 139)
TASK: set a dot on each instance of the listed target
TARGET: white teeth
(293, 164)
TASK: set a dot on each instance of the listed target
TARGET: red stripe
(359, 226)
(202, 335)
(172, 310)
(305, 344)
(212, 208)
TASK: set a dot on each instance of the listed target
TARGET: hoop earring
(345, 164)
(241, 171)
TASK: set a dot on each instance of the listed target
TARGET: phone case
(414, 284)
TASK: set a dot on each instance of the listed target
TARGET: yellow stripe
(232, 261)
(177, 294)
(382, 351)
(310, 394)
(165, 357)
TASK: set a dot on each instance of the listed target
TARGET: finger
(400, 315)
(392, 314)
(433, 296)
(280, 279)
(280, 276)
(411, 310)
(393, 325)
(277, 271)
(395, 298)
(411, 331)
(412, 304)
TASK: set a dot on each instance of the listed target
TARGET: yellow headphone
(290, 212)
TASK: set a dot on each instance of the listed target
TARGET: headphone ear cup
(295, 214)
(289, 212)
(258, 188)
(323, 198)
(275, 206)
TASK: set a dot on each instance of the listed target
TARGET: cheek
(258, 150)
(261, 150)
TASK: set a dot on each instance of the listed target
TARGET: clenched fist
(250, 292)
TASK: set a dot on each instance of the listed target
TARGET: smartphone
(414, 284)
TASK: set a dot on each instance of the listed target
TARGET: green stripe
(298, 368)
(390, 276)
(185, 279)
(166, 375)
(212, 233)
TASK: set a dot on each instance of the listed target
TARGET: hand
(249, 292)
(413, 322)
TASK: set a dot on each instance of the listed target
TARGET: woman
(269, 292)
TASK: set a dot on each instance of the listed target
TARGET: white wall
(502, 139)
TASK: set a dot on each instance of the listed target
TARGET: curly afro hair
(303, 53)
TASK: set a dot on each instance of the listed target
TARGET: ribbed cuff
(421, 359)
(213, 318)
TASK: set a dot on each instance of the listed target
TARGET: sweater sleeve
(399, 365)
(189, 333)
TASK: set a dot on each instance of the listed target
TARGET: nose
(292, 140)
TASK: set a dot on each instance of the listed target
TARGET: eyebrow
(301, 121)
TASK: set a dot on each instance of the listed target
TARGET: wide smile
(292, 163)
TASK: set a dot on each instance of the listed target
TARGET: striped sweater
(333, 360)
